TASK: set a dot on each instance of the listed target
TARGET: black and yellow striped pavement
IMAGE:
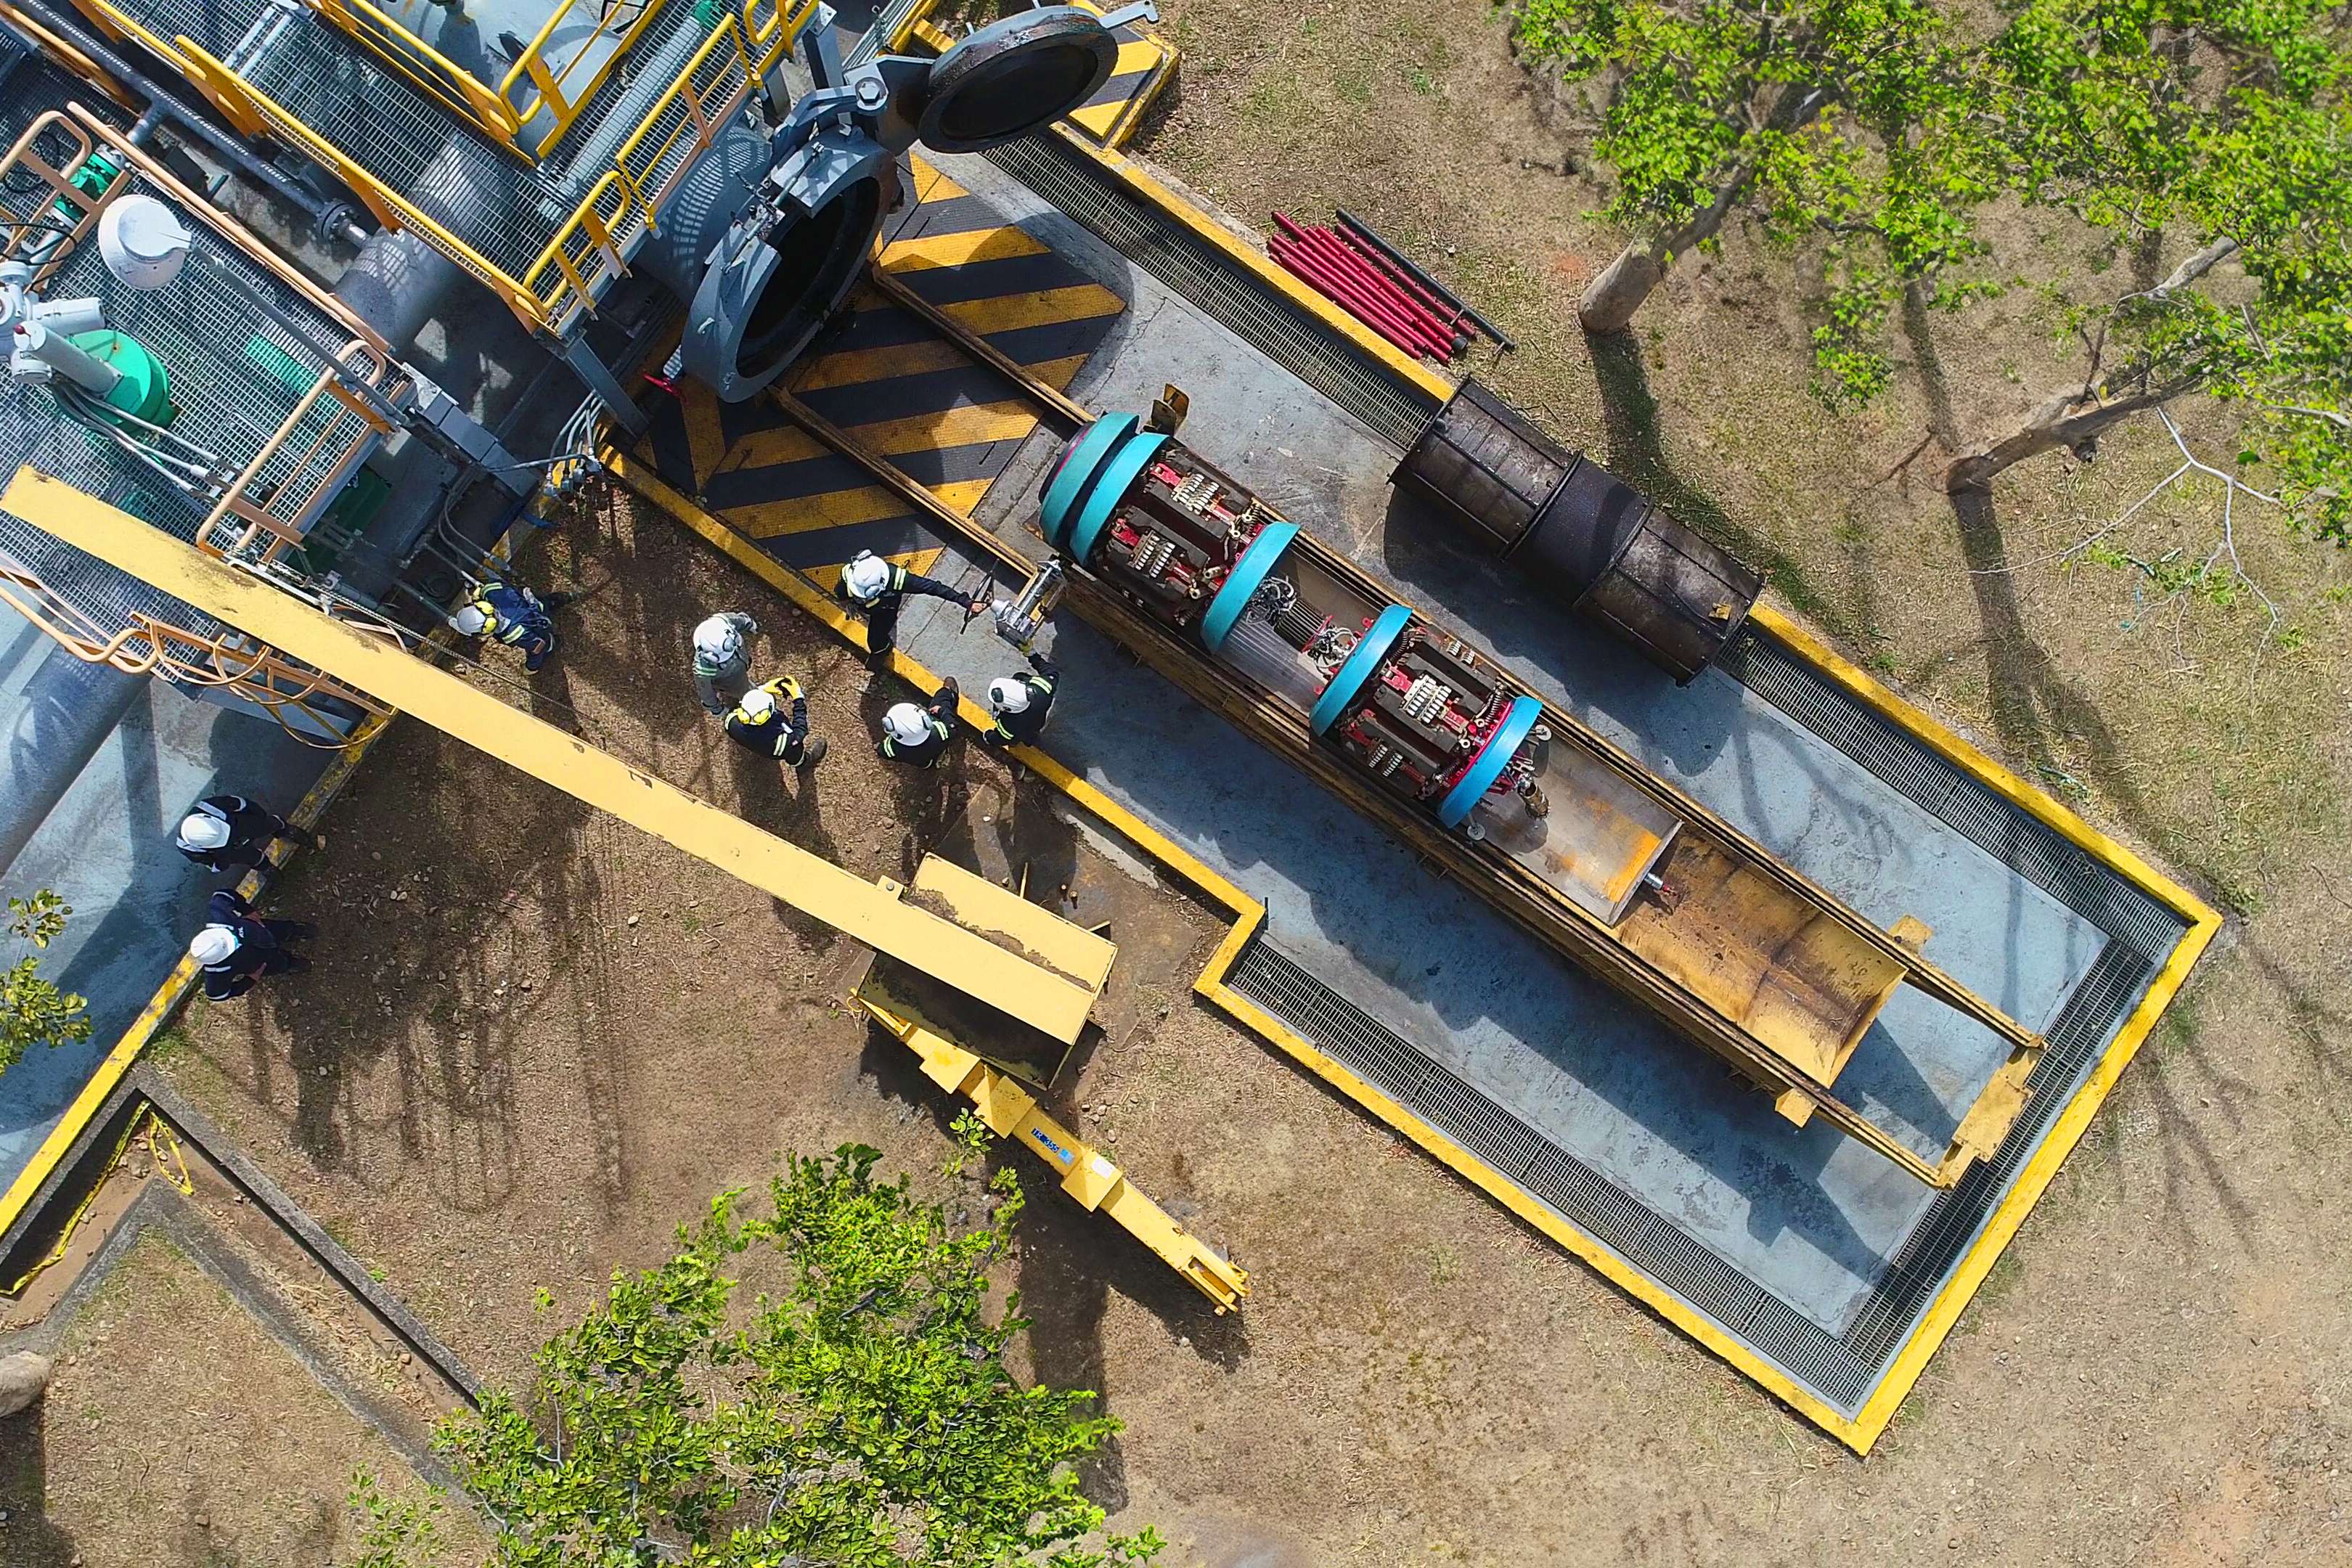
(886, 377)
(1145, 62)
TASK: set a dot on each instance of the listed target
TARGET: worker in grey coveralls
(722, 659)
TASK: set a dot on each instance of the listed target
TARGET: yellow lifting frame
(871, 913)
(1087, 1174)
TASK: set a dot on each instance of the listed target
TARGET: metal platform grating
(1841, 1369)
(236, 374)
(1389, 406)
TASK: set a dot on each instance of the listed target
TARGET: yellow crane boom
(954, 954)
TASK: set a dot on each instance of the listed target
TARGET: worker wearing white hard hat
(723, 659)
(772, 720)
(234, 950)
(511, 614)
(1019, 704)
(227, 832)
(877, 586)
(919, 735)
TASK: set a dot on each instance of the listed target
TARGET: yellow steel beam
(1087, 1174)
(872, 914)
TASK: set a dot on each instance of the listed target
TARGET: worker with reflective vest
(772, 720)
(877, 586)
(237, 949)
(1019, 704)
(511, 614)
(723, 659)
(228, 831)
(918, 736)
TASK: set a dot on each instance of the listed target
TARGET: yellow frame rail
(864, 910)
(1858, 1431)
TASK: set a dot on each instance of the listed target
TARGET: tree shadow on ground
(1636, 455)
(2033, 704)
(30, 1539)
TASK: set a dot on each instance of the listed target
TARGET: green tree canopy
(2210, 140)
(33, 1011)
(1842, 117)
(860, 1418)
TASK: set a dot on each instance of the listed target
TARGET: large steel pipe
(1577, 529)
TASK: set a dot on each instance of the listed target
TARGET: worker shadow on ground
(30, 1537)
(420, 933)
(790, 804)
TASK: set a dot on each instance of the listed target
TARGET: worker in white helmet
(919, 735)
(772, 720)
(235, 949)
(1019, 704)
(877, 586)
(228, 831)
(511, 614)
(723, 659)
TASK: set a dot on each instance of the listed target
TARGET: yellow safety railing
(432, 72)
(285, 479)
(588, 251)
(535, 87)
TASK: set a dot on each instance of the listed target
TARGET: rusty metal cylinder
(1573, 527)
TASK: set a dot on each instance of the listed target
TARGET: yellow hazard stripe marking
(959, 249)
(930, 185)
(840, 508)
(969, 426)
(1009, 313)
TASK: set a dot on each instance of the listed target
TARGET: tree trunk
(2048, 428)
(1610, 298)
(24, 1376)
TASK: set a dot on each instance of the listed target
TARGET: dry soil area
(2156, 1374)
(535, 1040)
(179, 1433)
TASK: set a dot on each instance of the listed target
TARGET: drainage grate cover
(2024, 844)
(1841, 1369)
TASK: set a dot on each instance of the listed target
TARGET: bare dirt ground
(495, 1080)
(178, 1432)
(2157, 1374)
(536, 1041)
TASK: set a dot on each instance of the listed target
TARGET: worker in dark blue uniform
(918, 736)
(877, 587)
(228, 831)
(772, 720)
(1019, 704)
(511, 614)
(237, 949)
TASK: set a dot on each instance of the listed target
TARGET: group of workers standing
(229, 833)
(772, 717)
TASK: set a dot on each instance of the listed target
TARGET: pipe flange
(1014, 76)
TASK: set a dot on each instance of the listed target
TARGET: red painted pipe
(1332, 281)
(1436, 331)
(1360, 302)
(1437, 327)
(1452, 314)
(1332, 288)
(1368, 310)
(1340, 261)
(1412, 330)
